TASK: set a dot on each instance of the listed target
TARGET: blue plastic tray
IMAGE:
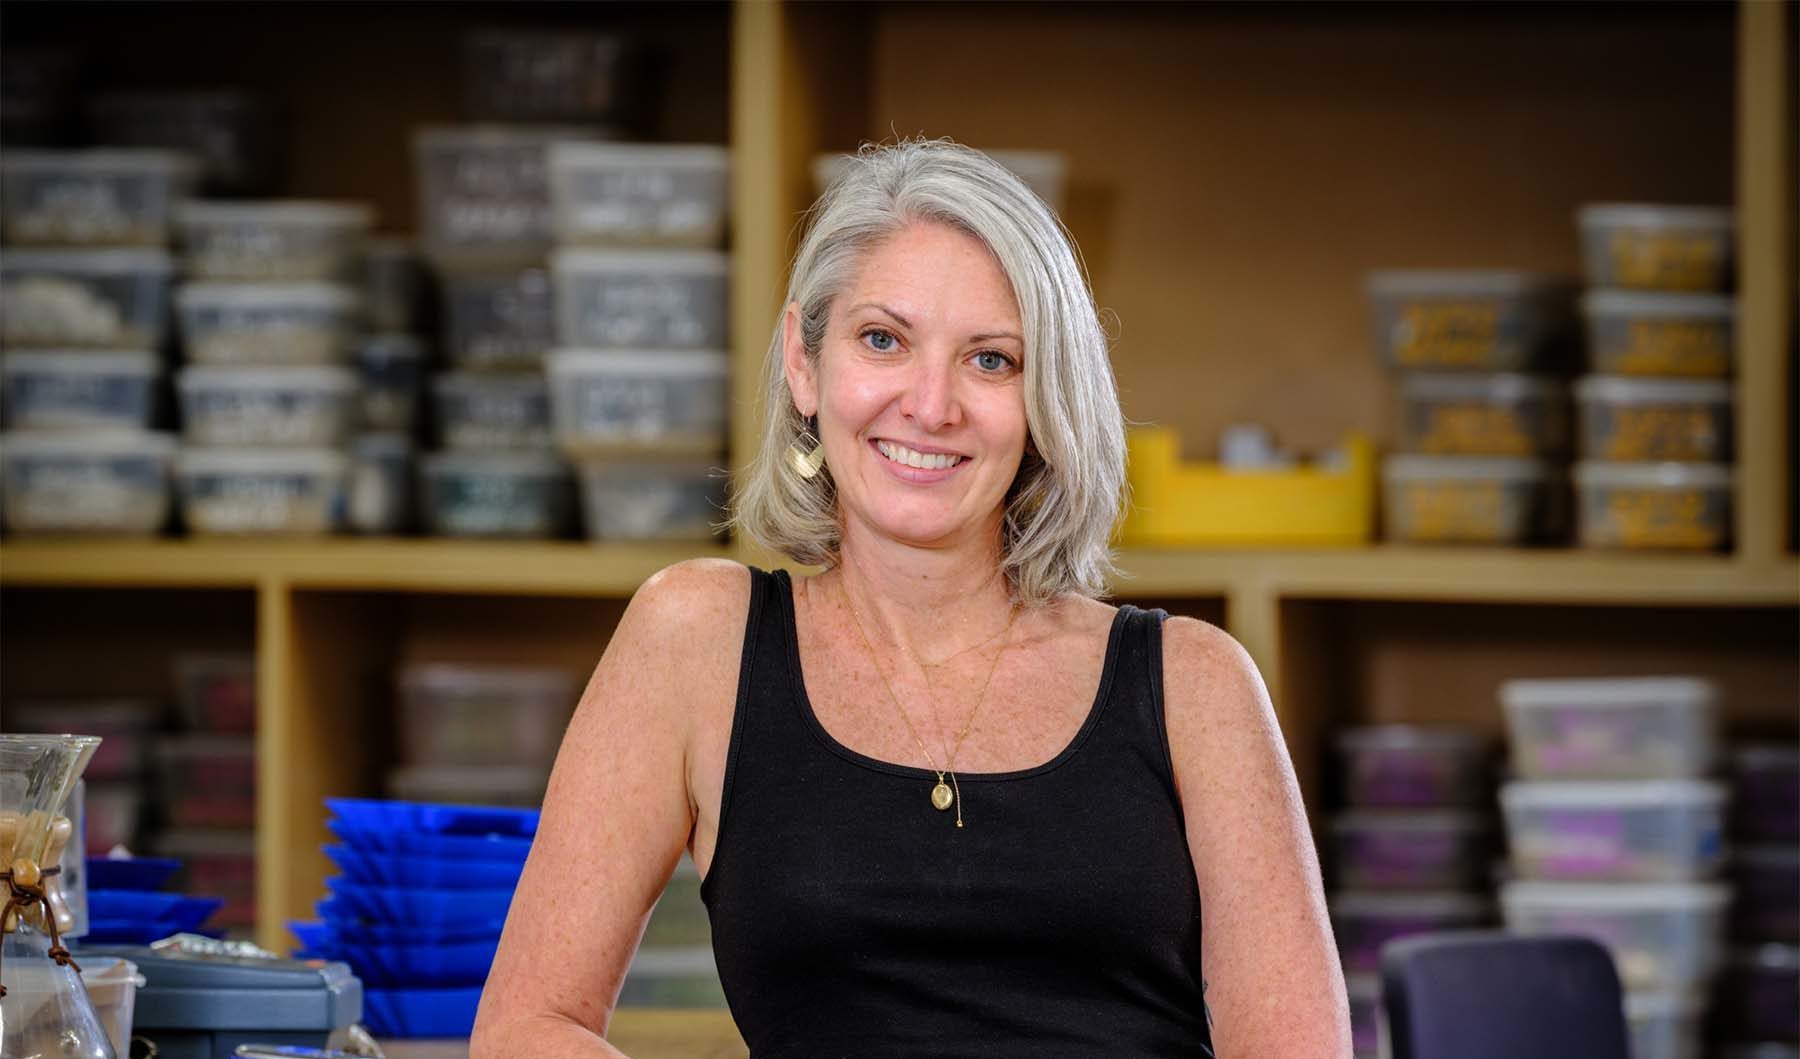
(448, 847)
(150, 905)
(139, 932)
(425, 818)
(420, 1012)
(418, 908)
(340, 930)
(416, 966)
(129, 873)
(435, 873)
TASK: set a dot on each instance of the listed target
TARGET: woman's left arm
(1274, 985)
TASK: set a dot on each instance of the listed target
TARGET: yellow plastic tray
(1175, 503)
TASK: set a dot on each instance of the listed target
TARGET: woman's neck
(930, 602)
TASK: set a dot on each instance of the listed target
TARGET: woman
(922, 830)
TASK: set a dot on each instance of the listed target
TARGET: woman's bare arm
(1275, 988)
(616, 819)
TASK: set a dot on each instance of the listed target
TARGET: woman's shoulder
(693, 598)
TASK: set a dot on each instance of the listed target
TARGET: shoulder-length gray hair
(1070, 489)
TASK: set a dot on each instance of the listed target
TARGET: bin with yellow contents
(1481, 414)
(1470, 320)
(1654, 506)
(1643, 247)
(1495, 500)
(1644, 420)
(1652, 333)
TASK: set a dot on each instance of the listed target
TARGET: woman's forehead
(932, 275)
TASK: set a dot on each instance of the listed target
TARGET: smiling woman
(1128, 872)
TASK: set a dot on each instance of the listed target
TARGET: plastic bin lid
(1664, 1005)
(79, 362)
(675, 362)
(641, 155)
(1410, 737)
(1474, 283)
(89, 443)
(1616, 897)
(637, 262)
(278, 211)
(524, 462)
(472, 382)
(1501, 386)
(1465, 468)
(262, 295)
(212, 993)
(1625, 794)
(117, 261)
(1608, 691)
(1595, 473)
(1429, 820)
(1647, 215)
(1631, 389)
(1413, 903)
(262, 461)
(1657, 303)
(102, 160)
(319, 377)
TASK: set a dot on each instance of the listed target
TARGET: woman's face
(919, 389)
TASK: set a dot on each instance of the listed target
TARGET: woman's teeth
(923, 461)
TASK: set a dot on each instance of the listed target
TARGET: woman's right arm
(616, 818)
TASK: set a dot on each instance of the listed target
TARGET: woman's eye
(989, 360)
(880, 341)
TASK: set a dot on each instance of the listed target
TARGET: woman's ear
(801, 378)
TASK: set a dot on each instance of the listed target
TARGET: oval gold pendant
(941, 796)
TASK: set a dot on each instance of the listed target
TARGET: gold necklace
(943, 796)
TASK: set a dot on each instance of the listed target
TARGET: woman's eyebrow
(985, 336)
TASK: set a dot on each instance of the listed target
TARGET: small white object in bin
(90, 299)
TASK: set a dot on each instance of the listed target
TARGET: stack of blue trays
(417, 910)
(125, 906)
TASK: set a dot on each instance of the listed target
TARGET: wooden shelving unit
(1235, 171)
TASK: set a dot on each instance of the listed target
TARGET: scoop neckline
(803, 700)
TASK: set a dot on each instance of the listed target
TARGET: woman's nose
(930, 399)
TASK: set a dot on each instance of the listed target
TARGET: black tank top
(851, 919)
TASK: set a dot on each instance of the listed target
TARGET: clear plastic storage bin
(256, 323)
(487, 188)
(1757, 997)
(79, 390)
(651, 500)
(1768, 893)
(1640, 333)
(381, 484)
(1766, 792)
(1644, 247)
(1470, 320)
(497, 494)
(207, 780)
(1366, 921)
(1639, 831)
(112, 983)
(92, 198)
(88, 299)
(483, 715)
(287, 407)
(1665, 936)
(393, 285)
(276, 491)
(554, 76)
(1654, 506)
(497, 318)
(1406, 767)
(1467, 414)
(505, 786)
(1394, 850)
(486, 412)
(1628, 728)
(671, 401)
(274, 242)
(216, 692)
(619, 194)
(392, 370)
(1664, 1025)
(1636, 420)
(110, 482)
(641, 299)
(1491, 500)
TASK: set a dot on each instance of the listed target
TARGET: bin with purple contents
(1366, 921)
(1400, 850)
(1662, 936)
(1646, 831)
(1406, 767)
(1635, 728)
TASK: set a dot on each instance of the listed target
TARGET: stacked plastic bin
(391, 369)
(1484, 420)
(479, 734)
(1756, 1004)
(638, 381)
(269, 314)
(84, 307)
(1616, 835)
(1656, 414)
(1411, 850)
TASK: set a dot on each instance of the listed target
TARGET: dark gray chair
(1493, 995)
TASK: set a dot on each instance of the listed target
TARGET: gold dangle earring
(807, 453)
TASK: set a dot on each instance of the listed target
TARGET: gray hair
(1070, 488)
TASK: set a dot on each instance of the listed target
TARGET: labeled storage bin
(1643, 831)
(279, 241)
(1767, 905)
(123, 725)
(483, 715)
(254, 323)
(1766, 792)
(1492, 500)
(207, 780)
(672, 401)
(112, 984)
(110, 482)
(1757, 991)
(393, 285)
(1469, 414)
(487, 188)
(1630, 728)
(1645, 420)
(381, 484)
(651, 500)
(512, 786)
(236, 136)
(1643, 247)
(304, 406)
(1494, 321)
(1664, 1025)
(87, 299)
(619, 194)
(486, 412)
(298, 492)
(220, 864)
(497, 494)
(392, 371)
(1419, 850)
(497, 318)
(1406, 767)
(1649, 334)
(1364, 921)
(1665, 936)
(1654, 506)
(79, 390)
(216, 692)
(109, 197)
(641, 299)
(554, 76)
